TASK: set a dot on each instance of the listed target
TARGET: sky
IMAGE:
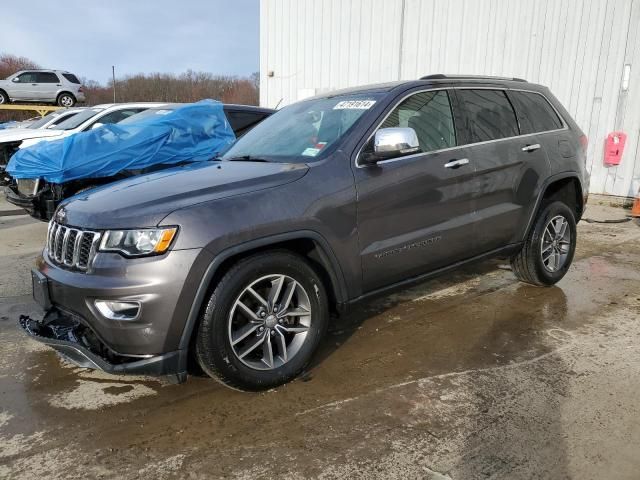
(86, 37)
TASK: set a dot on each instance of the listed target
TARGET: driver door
(26, 88)
(414, 212)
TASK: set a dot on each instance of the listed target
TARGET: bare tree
(186, 87)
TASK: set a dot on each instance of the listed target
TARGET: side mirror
(15, 79)
(96, 125)
(392, 143)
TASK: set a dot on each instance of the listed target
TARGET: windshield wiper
(245, 158)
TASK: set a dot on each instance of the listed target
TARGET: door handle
(34, 84)
(531, 148)
(456, 163)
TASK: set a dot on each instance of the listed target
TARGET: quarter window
(534, 112)
(71, 77)
(489, 115)
(429, 114)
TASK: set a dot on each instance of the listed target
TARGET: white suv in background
(50, 86)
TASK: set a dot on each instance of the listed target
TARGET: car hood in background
(19, 134)
(143, 201)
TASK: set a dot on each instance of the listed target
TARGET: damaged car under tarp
(46, 173)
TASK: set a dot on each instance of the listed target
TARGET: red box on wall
(614, 147)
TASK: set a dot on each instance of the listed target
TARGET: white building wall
(576, 47)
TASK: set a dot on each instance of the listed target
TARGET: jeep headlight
(135, 243)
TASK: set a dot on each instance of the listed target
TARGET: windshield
(44, 120)
(303, 130)
(79, 119)
(152, 112)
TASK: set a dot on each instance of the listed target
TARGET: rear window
(242, 122)
(489, 115)
(71, 77)
(47, 77)
(534, 112)
(79, 119)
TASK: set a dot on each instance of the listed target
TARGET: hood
(19, 134)
(143, 201)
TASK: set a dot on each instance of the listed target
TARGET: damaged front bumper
(76, 342)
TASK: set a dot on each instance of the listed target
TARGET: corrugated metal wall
(578, 48)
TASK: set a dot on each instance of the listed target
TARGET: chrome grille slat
(57, 252)
(71, 247)
(65, 245)
(76, 248)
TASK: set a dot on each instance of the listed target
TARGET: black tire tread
(523, 264)
(203, 347)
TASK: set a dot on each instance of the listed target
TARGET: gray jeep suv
(239, 262)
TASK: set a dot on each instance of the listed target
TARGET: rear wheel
(66, 100)
(263, 322)
(549, 248)
(4, 98)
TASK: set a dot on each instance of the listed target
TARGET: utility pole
(113, 74)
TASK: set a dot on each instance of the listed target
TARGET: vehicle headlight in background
(147, 241)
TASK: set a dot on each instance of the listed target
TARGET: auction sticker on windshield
(354, 105)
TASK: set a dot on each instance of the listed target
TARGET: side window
(27, 77)
(489, 114)
(534, 112)
(47, 77)
(429, 114)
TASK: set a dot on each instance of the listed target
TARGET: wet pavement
(473, 375)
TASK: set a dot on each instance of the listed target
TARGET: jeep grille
(71, 247)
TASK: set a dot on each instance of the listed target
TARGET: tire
(529, 265)
(66, 100)
(224, 319)
(4, 98)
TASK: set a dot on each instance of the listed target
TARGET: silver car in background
(49, 86)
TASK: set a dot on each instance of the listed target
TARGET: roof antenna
(279, 102)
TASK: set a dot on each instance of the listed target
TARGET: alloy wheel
(269, 322)
(556, 243)
(66, 101)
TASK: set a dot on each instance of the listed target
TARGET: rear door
(47, 85)
(414, 212)
(509, 168)
(537, 116)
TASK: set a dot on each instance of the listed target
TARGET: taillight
(584, 141)
(80, 90)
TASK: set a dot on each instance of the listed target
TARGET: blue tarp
(192, 133)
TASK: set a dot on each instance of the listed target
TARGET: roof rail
(441, 76)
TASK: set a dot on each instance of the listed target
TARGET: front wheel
(66, 100)
(263, 322)
(549, 247)
(4, 98)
